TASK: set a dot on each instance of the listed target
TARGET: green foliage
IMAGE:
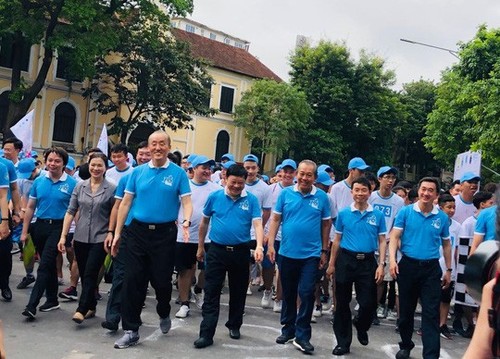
(467, 110)
(272, 113)
(154, 77)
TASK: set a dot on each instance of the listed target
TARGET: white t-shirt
(463, 210)
(340, 197)
(113, 175)
(389, 206)
(199, 195)
(275, 189)
(262, 191)
(454, 233)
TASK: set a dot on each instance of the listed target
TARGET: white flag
(103, 141)
(23, 130)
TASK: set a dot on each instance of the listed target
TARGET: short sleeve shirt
(52, 198)
(463, 210)
(485, 224)
(389, 206)
(340, 197)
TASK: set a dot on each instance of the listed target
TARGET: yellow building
(63, 116)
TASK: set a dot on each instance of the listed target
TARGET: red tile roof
(225, 56)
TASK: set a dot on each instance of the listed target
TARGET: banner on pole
(23, 130)
(102, 144)
(467, 162)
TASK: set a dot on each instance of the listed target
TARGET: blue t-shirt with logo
(4, 181)
(231, 220)
(156, 192)
(301, 221)
(485, 224)
(360, 230)
(52, 198)
(422, 234)
(11, 170)
(120, 192)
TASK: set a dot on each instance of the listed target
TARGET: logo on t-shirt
(436, 223)
(6, 177)
(244, 205)
(64, 188)
(169, 180)
(314, 203)
(371, 220)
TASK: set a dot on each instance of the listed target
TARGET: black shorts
(447, 294)
(69, 240)
(185, 255)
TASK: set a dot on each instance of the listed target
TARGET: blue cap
(324, 168)
(202, 160)
(71, 163)
(265, 178)
(25, 167)
(358, 163)
(469, 176)
(228, 157)
(324, 178)
(251, 158)
(278, 168)
(387, 169)
(191, 158)
(34, 154)
(228, 164)
(289, 163)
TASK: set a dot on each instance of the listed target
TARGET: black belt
(360, 256)
(231, 247)
(154, 226)
(50, 221)
(421, 262)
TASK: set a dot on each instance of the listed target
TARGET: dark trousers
(45, 238)
(149, 257)
(113, 308)
(5, 261)
(220, 261)
(361, 273)
(90, 258)
(420, 279)
(298, 277)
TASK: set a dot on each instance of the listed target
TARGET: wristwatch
(188, 222)
(449, 270)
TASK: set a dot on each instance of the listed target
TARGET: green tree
(466, 114)
(272, 113)
(155, 77)
(88, 28)
(354, 110)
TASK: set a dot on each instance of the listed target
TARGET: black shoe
(303, 346)
(25, 282)
(283, 339)
(47, 307)
(338, 350)
(109, 326)
(234, 333)
(376, 321)
(202, 342)
(363, 337)
(403, 354)
(7, 294)
(469, 332)
(29, 313)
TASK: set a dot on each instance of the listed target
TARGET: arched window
(4, 108)
(140, 133)
(222, 146)
(64, 123)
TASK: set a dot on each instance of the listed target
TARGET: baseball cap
(325, 168)
(251, 158)
(191, 158)
(358, 163)
(469, 176)
(387, 169)
(228, 164)
(25, 167)
(278, 168)
(34, 154)
(202, 160)
(289, 163)
(265, 178)
(324, 178)
(228, 157)
(71, 163)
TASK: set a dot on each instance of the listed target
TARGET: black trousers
(5, 261)
(220, 261)
(420, 279)
(113, 308)
(149, 257)
(361, 273)
(45, 238)
(90, 258)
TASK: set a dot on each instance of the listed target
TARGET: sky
(376, 26)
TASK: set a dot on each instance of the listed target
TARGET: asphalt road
(54, 336)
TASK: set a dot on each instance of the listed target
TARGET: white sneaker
(199, 300)
(392, 315)
(277, 306)
(356, 308)
(317, 312)
(313, 319)
(327, 305)
(266, 299)
(193, 297)
(380, 312)
(183, 312)
(249, 291)
(418, 309)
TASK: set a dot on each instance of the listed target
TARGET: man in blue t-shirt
(231, 213)
(304, 214)
(422, 229)
(359, 231)
(152, 198)
(5, 242)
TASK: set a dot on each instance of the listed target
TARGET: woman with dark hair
(93, 200)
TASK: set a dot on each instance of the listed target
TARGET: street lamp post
(452, 52)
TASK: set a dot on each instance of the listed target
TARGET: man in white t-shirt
(119, 157)
(469, 183)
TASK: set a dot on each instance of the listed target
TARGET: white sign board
(467, 162)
